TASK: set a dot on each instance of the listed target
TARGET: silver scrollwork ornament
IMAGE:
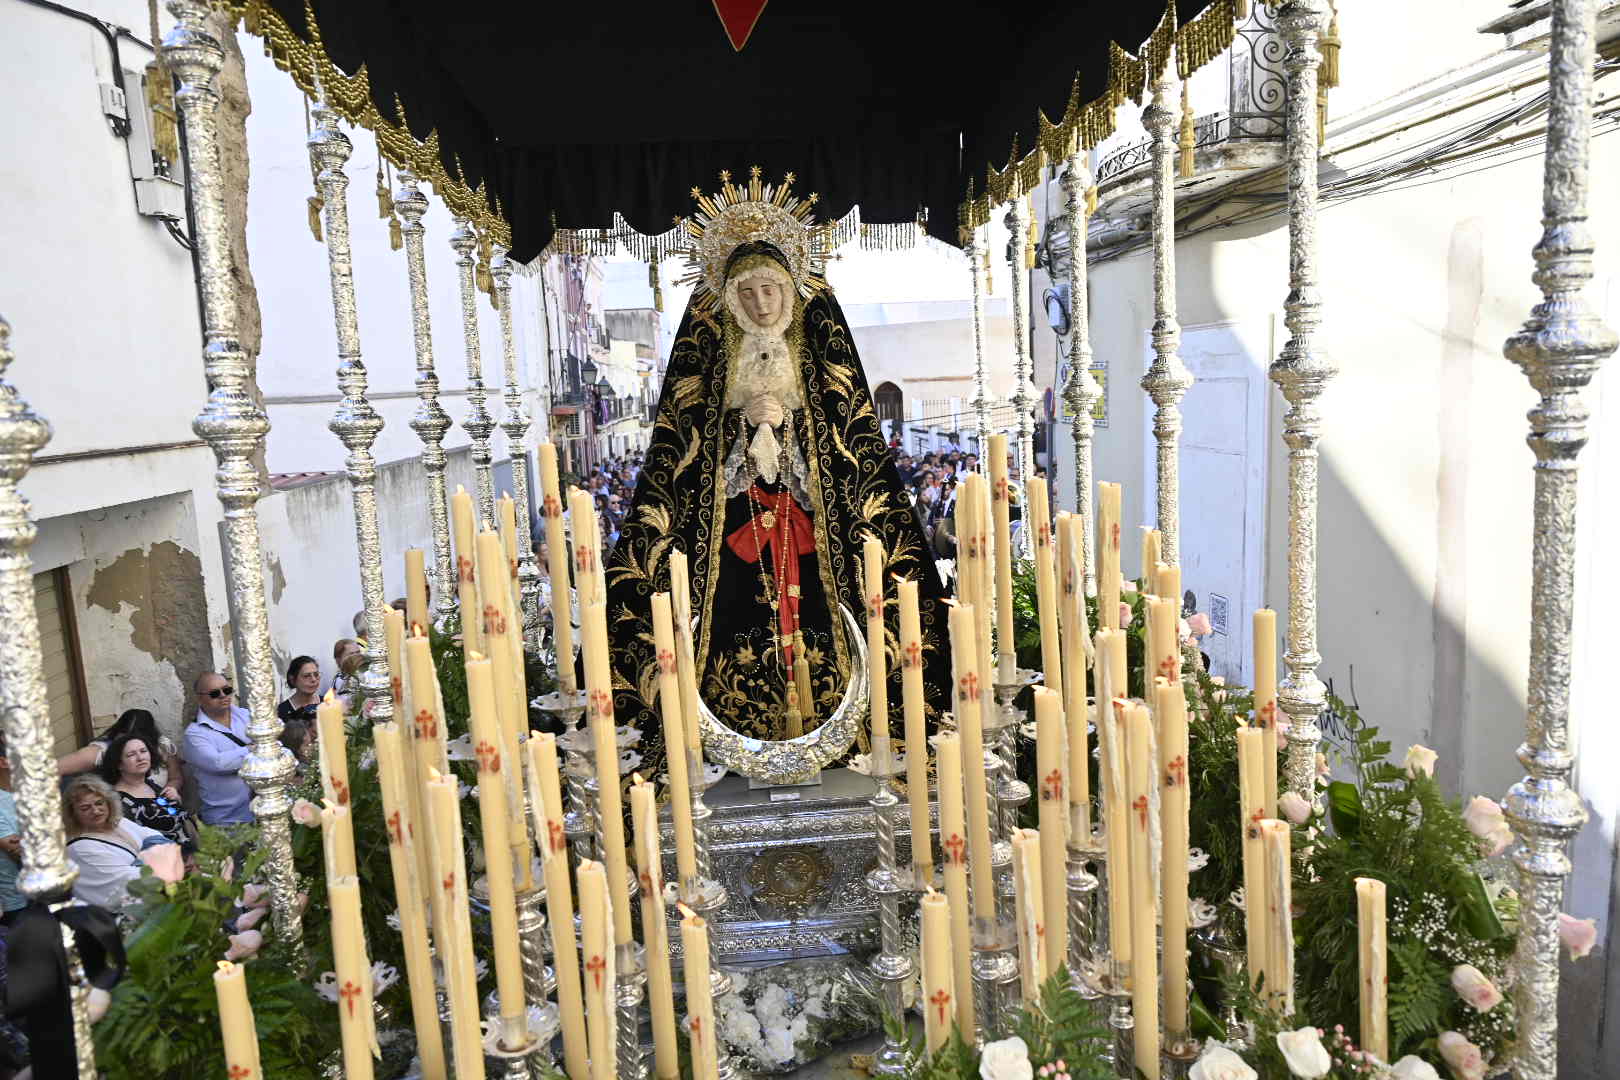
(1560, 348)
(430, 421)
(234, 426)
(1081, 390)
(478, 423)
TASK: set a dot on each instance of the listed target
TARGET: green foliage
(1026, 617)
(1419, 991)
(1061, 1025)
(1213, 713)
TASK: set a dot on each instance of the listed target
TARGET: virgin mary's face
(762, 299)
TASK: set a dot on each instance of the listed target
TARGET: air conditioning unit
(571, 426)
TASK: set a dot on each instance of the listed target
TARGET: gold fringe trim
(1207, 36)
(1032, 239)
(350, 96)
(1189, 132)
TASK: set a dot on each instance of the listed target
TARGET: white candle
(557, 568)
(1046, 594)
(700, 1027)
(1001, 508)
(1374, 967)
(939, 999)
(1144, 955)
(596, 919)
(876, 653)
(911, 665)
(1031, 914)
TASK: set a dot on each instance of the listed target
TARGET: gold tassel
(652, 279)
(160, 103)
(385, 201)
(658, 297)
(1240, 10)
(396, 235)
(316, 205)
(1329, 45)
(989, 275)
(1189, 133)
(1032, 239)
(1091, 200)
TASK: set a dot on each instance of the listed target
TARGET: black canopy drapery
(568, 113)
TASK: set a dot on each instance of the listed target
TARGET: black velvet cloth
(680, 503)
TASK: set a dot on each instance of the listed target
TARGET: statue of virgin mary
(767, 467)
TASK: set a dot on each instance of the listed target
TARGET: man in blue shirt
(215, 746)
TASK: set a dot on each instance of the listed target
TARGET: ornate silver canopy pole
(1081, 390)
(981, 386)
(356, 423)
(430, 422)
(234, 426)
(1302, 372)
(1023, 395)
(46, 874)
(1559, 348)
(1167, 378)
(479, 423)
(516, 426)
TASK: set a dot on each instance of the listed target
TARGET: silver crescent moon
(793, 761)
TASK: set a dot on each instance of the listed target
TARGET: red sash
(780, 525)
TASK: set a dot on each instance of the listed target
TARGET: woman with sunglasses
(216, 745)
(127, 766)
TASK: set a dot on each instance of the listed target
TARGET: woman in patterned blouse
(127, 766)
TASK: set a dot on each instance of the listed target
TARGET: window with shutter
(70, 721)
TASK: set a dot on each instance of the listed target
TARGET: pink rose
(1322, 769)
(1294, 807)
(306, 813)
(1124, 614)
(1199, 625)
(301, 902)
(227, 869)
(249, 918)
(1282, 734)
(244, 945)
(255, 896)
(1461, 1056)
(1485, 820)
(1578, 935)
(1474, 988)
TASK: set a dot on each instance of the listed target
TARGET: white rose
(1474, 988)
(1220, 1063)
(1294, 807)
(1483, 817)
(1303, 1050)
(1420, 759)
(1461, 1056)
(1412, 1067)
(100, 1001)
(1006, 1060)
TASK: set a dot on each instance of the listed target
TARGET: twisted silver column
(1167, 378)
(356, 423)
(234, 426)
(516, 426)
(981, 387)
(478, 423)
(46, 874)
(1559, 348)
(430, 421)
(892, 965)
(1023, 395)
(1302, 373)
(1081, 391)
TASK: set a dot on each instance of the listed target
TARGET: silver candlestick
(995, 967)
(1084, 889)
(892, 965)
(1220, 944)
(707, 896)
(630, 981)
(579, 774)
(539, 980)
(1001, 738)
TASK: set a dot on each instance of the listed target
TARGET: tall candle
(1170, 708)
(557, 569)
(337, 840)
(1279, 914)
(545, 796)
(876, 652)
(429, 745)
(655, 930)
(1046, 593)
(968, 698)
(953, 849)
(1111, 778)
(455, 947)
(680, 606)
(1001, 508)
(1252, 811)
(1076, 643)
(494, 766)
(509, 709)
(911, 669)
(604, 738)
(587, 533)
(416, 588)
(1051, 759)
(1164, 653)
(1265, 699)
(356, 1022)
(939, 1000)
(333, 743)
(463, 525)
(1144, 955)
(1151, 543)
(596, 919)
(984, 606)
(669, 708)
(394, 642)
(701, 1032)
(1031, 916)
(1108, 512)
(1168, 579)
(409, 893)
(236, 1026)
(1374, 966)
(506, 512)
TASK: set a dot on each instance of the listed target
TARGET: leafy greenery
(1060, 1026)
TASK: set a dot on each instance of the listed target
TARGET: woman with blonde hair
(108, 849)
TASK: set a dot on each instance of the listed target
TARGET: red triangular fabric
(739, 18)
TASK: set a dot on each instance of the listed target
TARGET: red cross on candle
(558, 836)
(399, 687)
(427, 727)
(1255, 819)
(940, 1000)
(954, 848)
(874, 605)
(1040, 930)
(1052, 786)
(450, 882)
(1267, 716)
(913, 654)
(582, 559)
(1043, 535)
(1114, 536)
(350, 994)
(341, 790)
(602, 702)
(968, 687)
(596, 965)
(494, 621)
(1141, 808)
(666, 661)
(553, 507)
(489, 757)
(464, 567)
(240, 1072)
(646, 883)
(394, 829)
(695, 1025)
(1167, 667)
(1000, 491)
(1175, 773)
